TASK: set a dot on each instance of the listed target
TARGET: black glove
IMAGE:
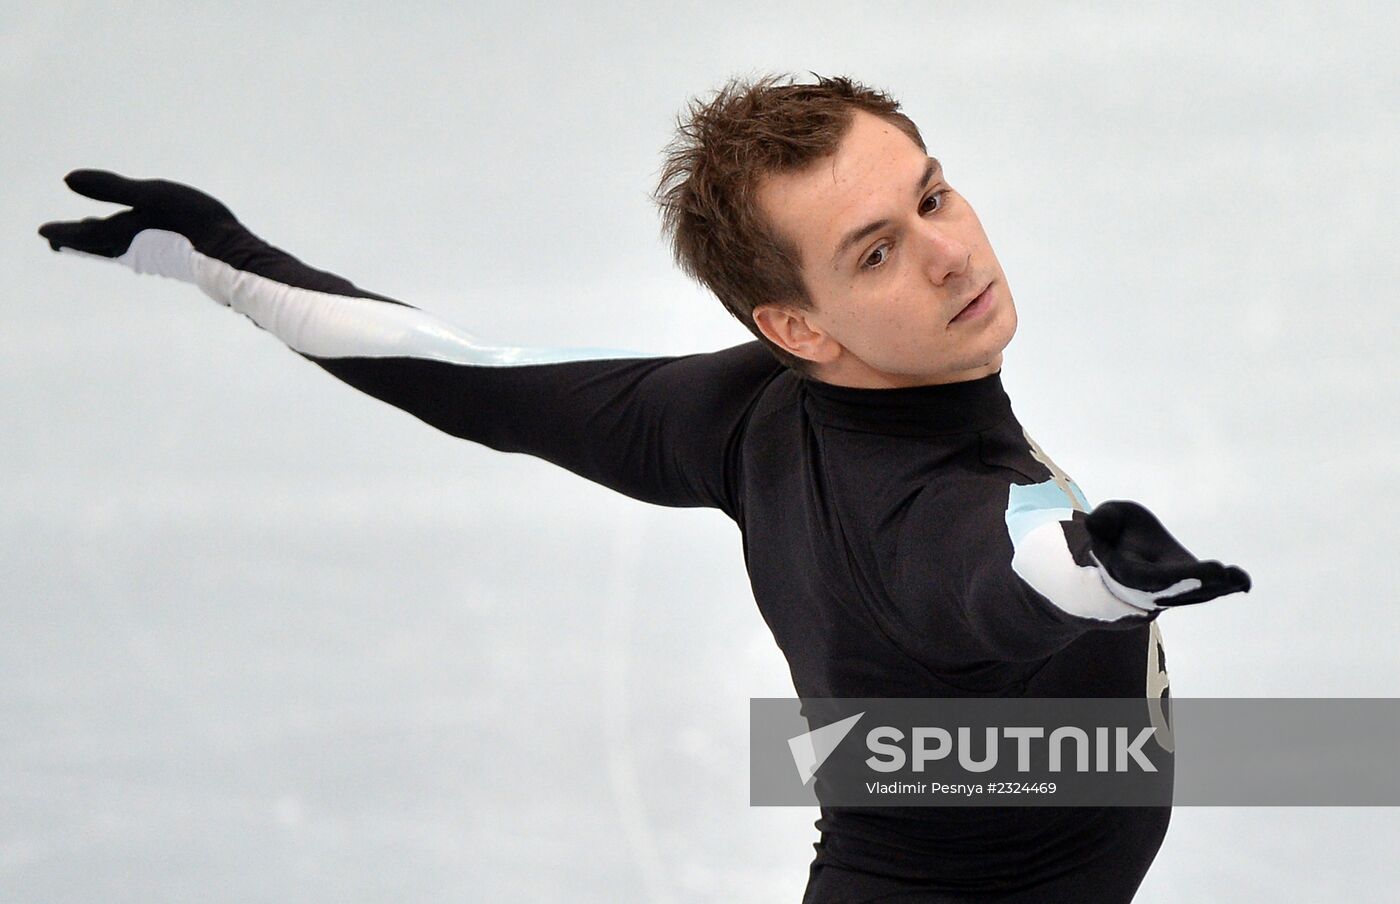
(1149, 566)
(180, 232)
(155, 204)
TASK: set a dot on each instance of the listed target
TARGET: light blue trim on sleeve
(1028, 506)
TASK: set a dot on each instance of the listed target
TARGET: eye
(927, 208)
(877, 257)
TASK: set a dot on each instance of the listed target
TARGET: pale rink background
(264, 638)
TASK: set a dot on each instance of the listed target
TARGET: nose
(944, 256)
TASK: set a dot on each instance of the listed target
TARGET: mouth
(977, 306)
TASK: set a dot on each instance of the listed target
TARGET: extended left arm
(660, 429)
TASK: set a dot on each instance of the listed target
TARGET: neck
(940, 409)
(848, 370)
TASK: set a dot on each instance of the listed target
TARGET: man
(903, 535)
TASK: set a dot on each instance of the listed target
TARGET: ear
(791, 330)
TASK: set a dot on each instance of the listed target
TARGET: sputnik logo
(810, 750)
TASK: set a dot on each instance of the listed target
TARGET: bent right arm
(659, 429)
(1025, 569)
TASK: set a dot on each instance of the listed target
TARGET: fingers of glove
(102, 185)
(178, 205)
(1155, 573)
(1238, 579)
(1216, 580)
(1232, 581)
(107, 236)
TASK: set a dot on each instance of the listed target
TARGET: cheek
(892, 320)
(869, 325)
(900, 325)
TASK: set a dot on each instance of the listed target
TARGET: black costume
(900, 542)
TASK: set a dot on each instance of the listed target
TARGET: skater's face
(892, 257)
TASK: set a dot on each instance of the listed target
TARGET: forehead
(868, 177)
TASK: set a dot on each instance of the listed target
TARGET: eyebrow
(861, 232)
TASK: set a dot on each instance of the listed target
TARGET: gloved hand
(1146, 566)
(163, 214)
(180, 232)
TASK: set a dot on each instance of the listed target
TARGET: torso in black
(875, 536)
(900, 542)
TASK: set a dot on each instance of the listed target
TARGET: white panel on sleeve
(1042, 559)
(326, 325)
(161, 252)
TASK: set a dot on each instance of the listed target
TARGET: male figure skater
(903, 535)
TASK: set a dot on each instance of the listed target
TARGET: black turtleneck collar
(943, 408)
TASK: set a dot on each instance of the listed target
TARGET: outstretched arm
(660, 429)
(1029, 570)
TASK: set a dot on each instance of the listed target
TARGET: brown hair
(708, 190)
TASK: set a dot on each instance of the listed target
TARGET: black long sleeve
(661, 429)
(664, 430)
